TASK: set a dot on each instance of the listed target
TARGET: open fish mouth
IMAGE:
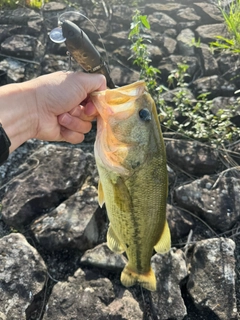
(119, 99)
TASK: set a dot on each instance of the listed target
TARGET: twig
(20, 59)
(222, 173)
(189, 238)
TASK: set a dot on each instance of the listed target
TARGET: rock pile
(54, 263)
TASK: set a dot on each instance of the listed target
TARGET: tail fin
(146, 280)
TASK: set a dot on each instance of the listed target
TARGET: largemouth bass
(131, 161)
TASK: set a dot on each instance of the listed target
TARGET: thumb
(91, 82)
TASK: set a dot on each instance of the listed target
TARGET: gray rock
(192, 156)
(187, 25)
(156, 53)
(170, 271)
(75, 223)
(210, 65)
(18, 157)
(208, 32)
(228, 62)
(20, 46)
(122, 14)
(50, 175)
(236, 153)
(55, 62)
(14, 69)
(97, 10)
(170, 33)
(89, 296)
(171, 176)
(168, 8)
(124, 308)
(224, 103)
(210, 13)
(180, 223)
(169, 45)
(187, 18)
(229, 67)
(161, 22)
(102, 257)
(121, 38)
(166, 43)
(33, 28)
(22, 276)
(123, 53)
(170, 96)
(4, 32)
(122, 75)
(51, 11)
(170, 63)
(184, 40)
(212, 277)
(21, 15)
(90, 28)
(215, 85)
(215, 201)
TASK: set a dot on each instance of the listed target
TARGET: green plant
(21, 3)
(36, 3)
(199, 122)
(140, 52)
(196, 43)
(11, 3)
(193, 119)
(231, 15)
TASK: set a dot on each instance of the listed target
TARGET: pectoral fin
(113, 241)
(100, 194)
(164, 243)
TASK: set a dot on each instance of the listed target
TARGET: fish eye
(145, 114)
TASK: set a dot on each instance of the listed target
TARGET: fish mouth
(119, 99)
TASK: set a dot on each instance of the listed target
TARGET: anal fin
(164, 243)
(113, 241)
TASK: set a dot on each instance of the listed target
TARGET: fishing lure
(81, 49)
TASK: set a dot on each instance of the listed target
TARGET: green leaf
(145, 21)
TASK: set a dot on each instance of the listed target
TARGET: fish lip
(140, 84)
(118, 100)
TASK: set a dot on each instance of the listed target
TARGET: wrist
(18, 112)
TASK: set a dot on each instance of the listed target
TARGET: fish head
(124, 126)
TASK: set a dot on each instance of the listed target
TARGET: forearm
(48, 107)
(18, 112)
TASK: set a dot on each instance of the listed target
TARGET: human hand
(51, 107)
(61, 99)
